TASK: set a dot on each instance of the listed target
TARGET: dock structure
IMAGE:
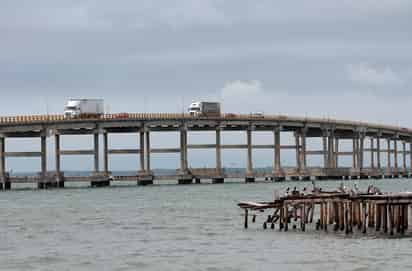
(335, 211)
(392, 141)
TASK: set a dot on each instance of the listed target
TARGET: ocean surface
(178, 227)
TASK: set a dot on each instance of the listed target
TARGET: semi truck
(204, 109)
(84, 108)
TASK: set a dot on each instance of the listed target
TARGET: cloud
(366, 74)
(241, 89)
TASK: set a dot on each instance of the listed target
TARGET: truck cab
(72, 109)
(195, 109)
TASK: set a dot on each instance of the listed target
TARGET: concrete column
(2, 157)
(361, 150)
(336, 154)
(57, 152)
(354, 153)
(218, 153)
(404, 155)
(142, 151)
(96, 151)
(148, 151)
(298, 151)
(303, 150)
(276, 138)
(395, 149)
(325, 151)
(249, 170)
(378, 152)
(389, 154)
(183, 150)
(106, 152)
(43, 139)
(372, 153)
(410, 157)
(330, 150)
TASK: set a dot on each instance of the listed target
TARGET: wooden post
(303, 217)
(346, 210)
(321, 216)
(378, 217)
(281, 217)
(364, 216)
(390, 214)
(286, 217)
(325, 213)
(246, 218)
(342, 216)
(385, 217)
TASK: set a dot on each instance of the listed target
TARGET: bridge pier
(250, 178)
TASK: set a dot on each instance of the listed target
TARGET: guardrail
(31, 119)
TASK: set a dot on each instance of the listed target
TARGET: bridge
(366, 139)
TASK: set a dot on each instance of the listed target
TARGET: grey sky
(342, 59)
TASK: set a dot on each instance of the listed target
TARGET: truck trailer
(84, 108)
(204, 109)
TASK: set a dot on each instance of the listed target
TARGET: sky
(327, 58)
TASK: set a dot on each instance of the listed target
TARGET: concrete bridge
(367, 139)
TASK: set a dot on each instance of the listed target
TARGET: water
(171, 227)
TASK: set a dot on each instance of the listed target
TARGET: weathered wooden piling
(388, 213)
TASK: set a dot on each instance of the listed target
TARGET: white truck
(204, 109)
(84, 108)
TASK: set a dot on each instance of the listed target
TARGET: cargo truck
(204, 109)
(84, 108)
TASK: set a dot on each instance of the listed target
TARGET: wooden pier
(335, 211)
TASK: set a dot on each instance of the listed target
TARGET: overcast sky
(341, 59)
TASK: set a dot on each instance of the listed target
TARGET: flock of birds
(372, 190)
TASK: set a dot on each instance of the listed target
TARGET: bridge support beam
(185, 177)
(378, 152)
(4, 177)
(106, 154)
(249, 170)
(404, 157)
(145, 176)
(99, 179)
(276, 159)
(59, 176)
(388, 159)
(325, 149)
(219, 175)
(395, 159)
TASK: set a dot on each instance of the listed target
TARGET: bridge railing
(27, 119)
